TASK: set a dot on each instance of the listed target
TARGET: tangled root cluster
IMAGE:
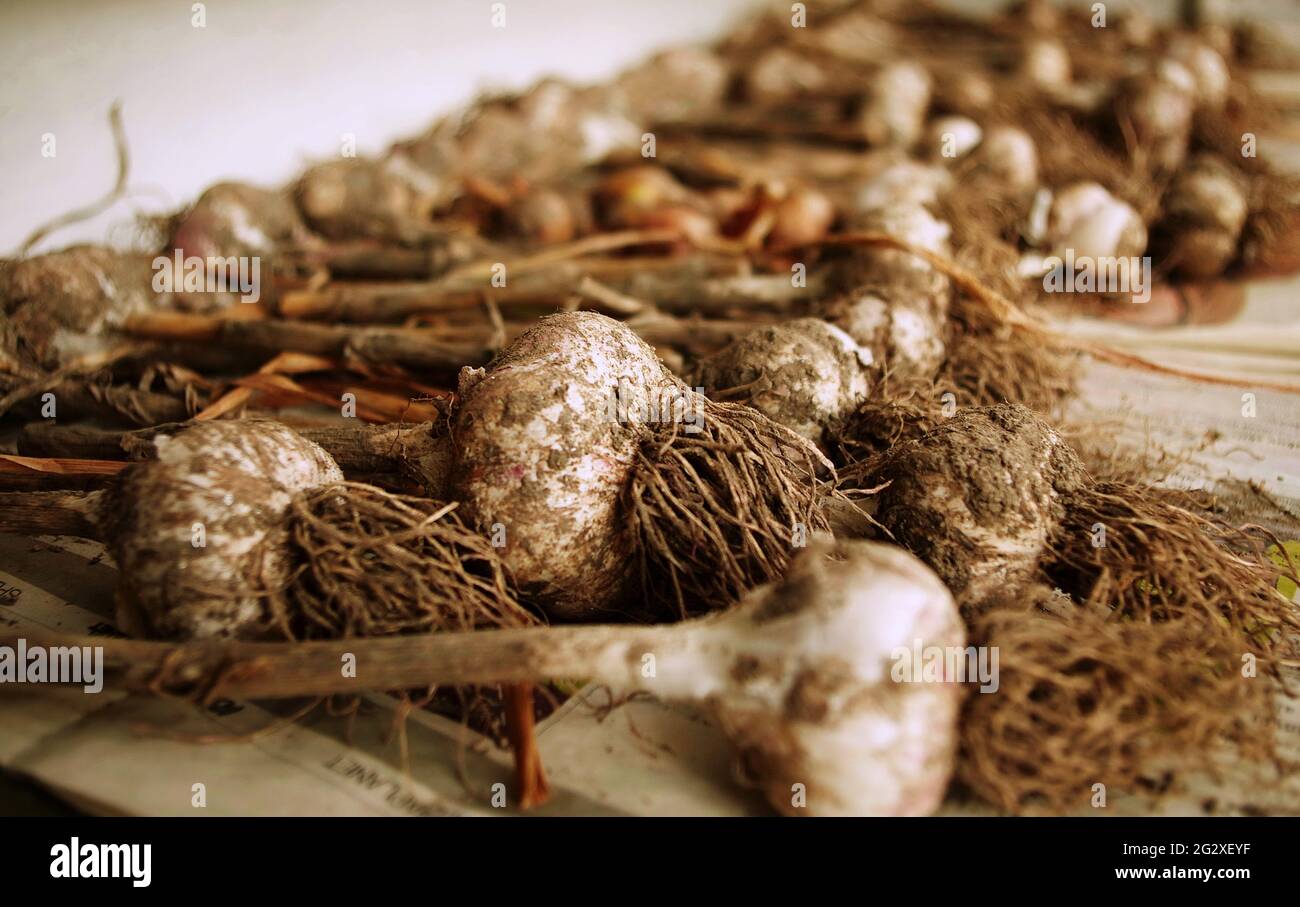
(1161, 563)
(1134, 635)
(1166, 650)
(1085, 698)
(991, 362)
(898, 410)
(717, 512)
(373, 563)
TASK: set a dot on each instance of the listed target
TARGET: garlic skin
(1207, 67)
(1205, 209)
(1008, 155)
(1046, 64)
(541, 460)
(895, 108)
(194, 530)
(804, 374)
(978, 497)
(953, 137)
(799, 676)
(1087, 219)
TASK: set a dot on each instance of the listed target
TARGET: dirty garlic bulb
(1208, 70)
(809, 698)
(679, 83)
(963, 91)
(913, 224)
(811, 678)
(598, 469)
(236, 219)
(977, 498)
(805, 374)
(1086, 219)
(61, 304)
(780, 74)
(1045, 64)
(187, 528)
(360, 198)
(902, 183)
(541, 453)
(1137, 28)
(1205, 209)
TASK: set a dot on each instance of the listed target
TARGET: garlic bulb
(1046, 64)
(952, 137)
(193, 531)
(978, 497)
(903, 183)
(1209, 71)
(1009, 155)
(804, 374)
(1087, 220)
(894, 111)
(1205, 209)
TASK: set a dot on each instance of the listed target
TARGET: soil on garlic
(597, 469)
(540, 461)
(59, 304)
(976, 497)
(805, 374)
(189, 529)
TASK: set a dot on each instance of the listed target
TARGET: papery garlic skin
(801, 677)
(1088, 220)
(541, 458)
(806, 374)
